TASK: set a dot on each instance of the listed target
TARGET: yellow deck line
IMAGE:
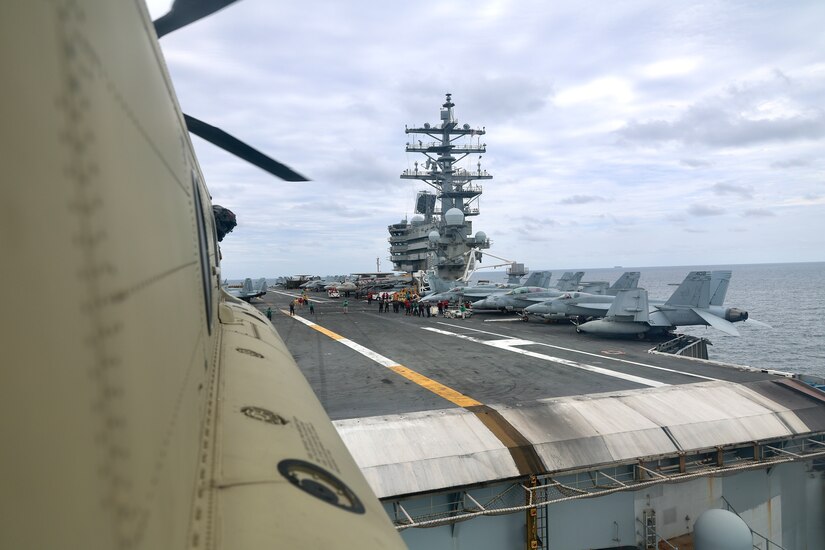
(445, 392)
(437, 388)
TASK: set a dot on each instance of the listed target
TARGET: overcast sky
(634, 133)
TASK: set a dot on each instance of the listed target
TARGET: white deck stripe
(377, 357)
(609, 357)
(507, 345)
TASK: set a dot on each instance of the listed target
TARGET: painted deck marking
(509, 344)
(571, 350)
(436, 387)
(521, 450)
(445, 392)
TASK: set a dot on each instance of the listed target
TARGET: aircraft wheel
(640, 336)
(578, 330)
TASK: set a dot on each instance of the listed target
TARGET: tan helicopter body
(141, 406)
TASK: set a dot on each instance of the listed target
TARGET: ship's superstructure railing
(520, 496)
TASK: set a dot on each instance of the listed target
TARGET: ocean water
(789, 297)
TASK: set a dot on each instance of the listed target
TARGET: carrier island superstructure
(440, 234)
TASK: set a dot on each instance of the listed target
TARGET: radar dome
(433, 236)
(418, 219)
(427, 125)
(718, 529)
(481, 237)
(454, 216)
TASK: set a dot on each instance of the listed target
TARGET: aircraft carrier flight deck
(491, 358)
(450, 419)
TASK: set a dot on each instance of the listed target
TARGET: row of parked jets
(620, 309)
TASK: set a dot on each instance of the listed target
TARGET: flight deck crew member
(292, 307)
(269, 313)
(311, 308)
(346, 305)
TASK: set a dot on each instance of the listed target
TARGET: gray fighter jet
(479, 292)
(248, 291)
(522, 297)
(584, 305)
(317, 285)
(631, 314)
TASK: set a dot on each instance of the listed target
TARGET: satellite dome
(427, 125)
(481, 237)
(721, 530)
(454, 216)
(433, 236)
(418, 219)
(466, 126)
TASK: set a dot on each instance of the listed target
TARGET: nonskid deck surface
(431, 404)
(485, 358)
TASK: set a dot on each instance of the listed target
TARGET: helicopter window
(203, 251)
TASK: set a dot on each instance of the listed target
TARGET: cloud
(609, 89)
(716, 127)
(670, 67)
(771, 109)
(329, 93)
(695, 163)
(792, 163)
(582, 199)
(695, 230)
(758, 213)
(724, 188)
(704, 210)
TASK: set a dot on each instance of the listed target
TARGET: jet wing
(595, 306)
(630, 305)
(716, 322)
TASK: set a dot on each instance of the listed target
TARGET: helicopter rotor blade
(233, 145)
(184, 12)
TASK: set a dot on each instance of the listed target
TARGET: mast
(450, 237)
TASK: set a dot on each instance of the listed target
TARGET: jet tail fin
(247, 285)
(719, 281)
(629, 279)
(693, 292)
(570, 280)
(261, 285)
(437, 284)
(539, 278)
(630, 305)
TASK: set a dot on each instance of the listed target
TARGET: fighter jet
(479, 292)
(520, 298)
(317, 285)
(631, 314)
(248, 291)
(628, 279)
(585, 305)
